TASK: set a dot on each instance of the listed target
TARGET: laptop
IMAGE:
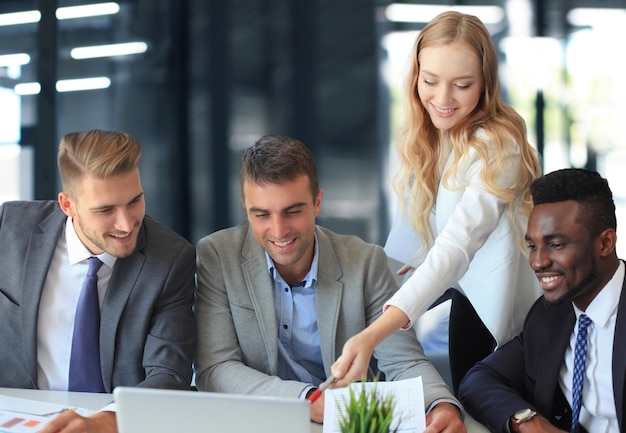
(146, 410)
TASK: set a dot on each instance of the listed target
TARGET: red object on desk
(316, 394)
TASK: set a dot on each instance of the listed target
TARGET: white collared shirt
(59, 297)
(597, 413)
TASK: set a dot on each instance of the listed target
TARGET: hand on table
(317, 410)
(444, 417)
(71, 422)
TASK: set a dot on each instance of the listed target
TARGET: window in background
(15, 161)
(114, 70)
(597, 107)
(580, 79)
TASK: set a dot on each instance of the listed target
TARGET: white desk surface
(85, 400)
(97, 401)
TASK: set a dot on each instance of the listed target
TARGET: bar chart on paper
(23, 415)
(17, 422)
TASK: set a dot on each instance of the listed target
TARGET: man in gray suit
(278, 296)
(145, 284)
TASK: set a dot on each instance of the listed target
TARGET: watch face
(522, 414)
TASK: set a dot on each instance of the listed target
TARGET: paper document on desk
(408, 416)
(19, 415)
(37, 407)
(18, 422)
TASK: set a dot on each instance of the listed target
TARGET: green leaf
(366, 411)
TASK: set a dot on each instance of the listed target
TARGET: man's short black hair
(588, 188)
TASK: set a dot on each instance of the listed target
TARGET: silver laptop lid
(165, 411)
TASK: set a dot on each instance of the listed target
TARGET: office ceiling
(549, 15)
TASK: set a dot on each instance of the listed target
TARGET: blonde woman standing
(465, 158)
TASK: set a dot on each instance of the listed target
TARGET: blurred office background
(197, 81)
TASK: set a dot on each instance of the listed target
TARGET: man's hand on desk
(71, 422)
(317, 409)
(444, 417)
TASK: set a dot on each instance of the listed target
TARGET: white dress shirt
(58, 301)
(597, 413)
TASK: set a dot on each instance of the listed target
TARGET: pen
(316, 394)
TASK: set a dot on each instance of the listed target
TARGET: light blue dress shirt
(299, 353)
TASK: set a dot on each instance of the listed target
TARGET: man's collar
(606, 301)
(77, 251)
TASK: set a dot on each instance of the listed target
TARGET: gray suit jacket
(147, 330)
(237, 328)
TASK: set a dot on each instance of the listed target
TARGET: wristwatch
(521, 416)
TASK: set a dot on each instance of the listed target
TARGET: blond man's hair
(95, 153)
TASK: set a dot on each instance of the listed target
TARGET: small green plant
(366, 411)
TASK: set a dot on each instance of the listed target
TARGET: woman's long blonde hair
(420, 142)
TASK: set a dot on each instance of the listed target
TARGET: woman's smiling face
(450, 83)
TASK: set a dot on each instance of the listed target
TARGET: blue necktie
(580, 359)
(84, 374)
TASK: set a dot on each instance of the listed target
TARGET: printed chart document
(409, 415)
(19, 422)
(21, 415)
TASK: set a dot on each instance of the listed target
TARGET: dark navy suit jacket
(525, 371)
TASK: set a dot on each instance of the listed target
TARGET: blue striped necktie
(84, 373)
(580, 359)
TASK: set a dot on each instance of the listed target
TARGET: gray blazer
(147, 330)
(236, 323)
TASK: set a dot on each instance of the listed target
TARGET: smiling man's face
(562, 253)
(107, 213)
(282, 218)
